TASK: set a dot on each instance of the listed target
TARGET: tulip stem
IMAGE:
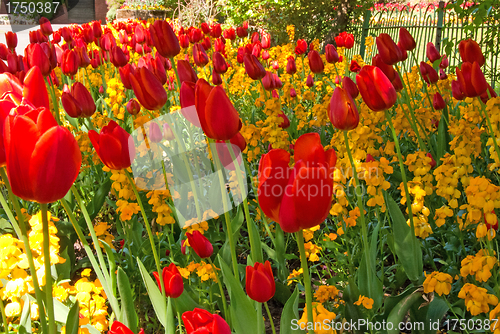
(174, 66)
(307, 278)
(55, 104)
(364, 229)
(148, 229)
(48, 275)
(229, 226)
(4, 317)
(92, 233)
(270, 317)
(90, 254)
(27, 248)
(255, 257)
(222, 295)
(179, 318)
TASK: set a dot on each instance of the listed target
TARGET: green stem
(225, 206)
(93, 261)
(179, 318)
(403, 173)
(364, 229)
(174, 66)
(222, 295)
(49, 302)
(148, 229)
(307, 278)
(4, 317)
(54, 101)
(270, 317)
(95, 240)
(29, 254)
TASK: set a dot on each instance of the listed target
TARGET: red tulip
(442, 74)
(388, 50)
(471, 79)
(286, 122)
(293, 93)
(43, 159)
(315, 62)
(45, 26)
(78, 102)
(200, 244)
(298, 198)
(260, 283)
(349, 41)
(268, 81)
(387, 69)
(114, 146)
(69, 63)
(404, 53)
(350, 87)
(375, 88)
(118, 57)
(207, 45)
(310, 81)
(429, 74)
(456, 90)
(195, 35)
(11, 38)
(471, 52)
(216, 30)
(212, 106)
(119, 328)
(4, 52)
(200, 321)
(253, 67)
(199, 55)
(35, 89)
(216, 78)
(438, 102)
(398, 85)
(205, 28)
(172, 280)
(444, 62)
(186, 72)
(184, 41)
(291, 67)
(133, 107)
(238, 145)
(406, 39)
(37, 57)
(164, 39)
(229, 34)
(301, 47)
(342, 110)
(339, 40)
(148, 90)
(354, 66)
(433, 162)
(331, 54)
(241, 32)
(432, 53)
(219, 63)
(266, 40)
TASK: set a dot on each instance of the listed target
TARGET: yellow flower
(365, 301)
(438, 282)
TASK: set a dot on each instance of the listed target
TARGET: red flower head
(78, 102)
(200, 244)
(331, 54)
(354, 67)
(119, 328)
(164, 39)
(200, 321)
(301, 197)
(376, 89)
(186, 72)
(11, 39)
(260, 283)
(291, 67)
(148, 90)
(315, 62)
(438, 102)
(133, 107)
(342, 110)
(43, 159)
(220, 64)
(388, 50)
(310, 81)
(229, 34)
(114, 146)
(471, 52)
(301, 47)
(429, 74)
(432, 53)
(253, 67)
(266, 40)
(199, 55)
(172, 281)
(406, 40)
(471, 80)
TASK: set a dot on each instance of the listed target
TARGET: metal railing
(439, 25)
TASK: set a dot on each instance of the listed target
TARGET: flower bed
(162, 178)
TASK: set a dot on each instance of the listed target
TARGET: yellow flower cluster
(320, 316)
(101, 230)
(203, 270)
(158, 200)
(116, 98)
(326, 293)
(122, 189)
(312, 251)
(479, 265)
(365, 301)
(438, 282)
(477, 299)
(419, 211)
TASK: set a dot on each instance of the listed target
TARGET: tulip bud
(78, 102)
(350, 87)
(255, 37)
(219, 63)
(471, 52)
(432, 53)
(11, 38)
(155, 134)
(444, 62)
(199, 55)
(293, 93)
(301, 47)
(148, 89)
(456, 90)
(266, 40)
(438, 102)
(172, 281)
(268, 81)
(433, 162)
(229, 34)
(216, 78)
(207, 45)
(349, 41)
(387, 49)
(168, 134)
(376, 89)
(183, 41)
(291, 67)
(331, 54)
(69, 63)
(339, 40)
(315, 62)
(200, 244)
(164, 39)
(101, 90)
(118, 58)
(406, 39)
(429, 74)
(310, 81)
(45, 26)
(342, 110)
(205, 28)
(253, 67)
(260, 285)
(216, 30)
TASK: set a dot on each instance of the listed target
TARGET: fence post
(439, 28)
(364, 32)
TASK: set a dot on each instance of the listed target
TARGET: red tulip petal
(220, 325)
(308, 148)
(219, 107)
(35, 90)
(261, 289)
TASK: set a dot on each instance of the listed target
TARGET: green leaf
(128, 315)
(99, 198)
(255, 242)
(157, 299)
(401, 309)
(170, 318)
(407, 246)
(73, 320)
(441, 140)
(25, 322)
(60, 311)
(184, 302)
(243, 314)
(289, 314)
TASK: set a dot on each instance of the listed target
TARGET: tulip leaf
(290, 314)
(73, 320)
(170, 318)
(441, 140)
(400, 311)
(185, 302)
(406, 245)
(243, 314)
(255, 242)
(112, 264)
(128, 315)
(157, 299)
(99, 198)
(25, 322)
